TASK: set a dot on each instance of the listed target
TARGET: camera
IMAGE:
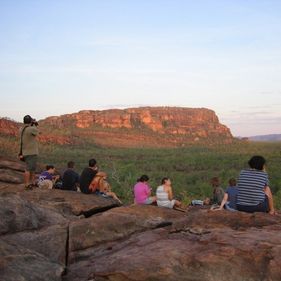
(34, 122)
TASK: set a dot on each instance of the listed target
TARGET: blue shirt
(70, 179)
(232, 192)
(251, 186)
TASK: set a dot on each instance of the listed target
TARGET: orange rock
(133, 127)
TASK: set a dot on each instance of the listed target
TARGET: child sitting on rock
(218, 192)
(230, 197)
(100, 186)
(47, 178)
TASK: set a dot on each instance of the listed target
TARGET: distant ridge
(269, 138)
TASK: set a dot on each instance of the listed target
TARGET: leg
(46, 184)
(112, 194)
(29, 175)
(268, 193)
(177, 203)
(27, 178)
(179, 207)
(32, 177)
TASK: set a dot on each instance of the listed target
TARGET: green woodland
(190, 168)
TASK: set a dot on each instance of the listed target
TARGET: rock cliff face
(44, 236)
(9, 127)
(148, 126)
(133, 127)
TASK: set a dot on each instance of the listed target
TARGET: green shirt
(29, 141)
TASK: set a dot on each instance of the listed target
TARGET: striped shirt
(251, 186)
(163, 198)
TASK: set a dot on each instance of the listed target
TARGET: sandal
(29, 187)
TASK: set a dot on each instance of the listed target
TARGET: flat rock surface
(18, 263)
(237, 250)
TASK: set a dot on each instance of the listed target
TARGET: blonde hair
(100, 183)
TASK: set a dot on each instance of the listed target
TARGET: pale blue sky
(64, 56)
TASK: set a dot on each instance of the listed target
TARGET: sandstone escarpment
(148, 126)
(9, 127)
(133, 127)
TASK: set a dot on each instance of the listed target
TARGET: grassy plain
(190, 168)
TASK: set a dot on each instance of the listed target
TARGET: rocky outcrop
(34, 226)
(246, 247)
(11, 171)
(9, 127)
(140, 126)
(172, 120)
(133, 127)
(62, 235)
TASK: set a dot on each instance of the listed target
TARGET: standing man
(29, 149)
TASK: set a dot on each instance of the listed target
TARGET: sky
(63, 56)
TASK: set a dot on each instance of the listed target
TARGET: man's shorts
(30, 162)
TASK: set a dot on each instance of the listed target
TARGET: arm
(268, 193)
(170, 193)
(148, 191)
(34, 131)
(224, 200)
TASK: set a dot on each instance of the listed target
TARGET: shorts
(228, 208)
(148, 201)
(262, 207)
(97, 192)
(166, 204)
(30, 162)
(45, 184)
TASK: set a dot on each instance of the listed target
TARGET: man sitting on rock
(87, 176)
(47, 178)
(70, 179)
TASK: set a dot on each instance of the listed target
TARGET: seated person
(47, 178)
(230, 197)
(142, 191)
(164, 195)
(254, 194)
(100, 186)
(70, 179)
(218, 192)
(87, 176)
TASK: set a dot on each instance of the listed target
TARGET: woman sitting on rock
(164, 195)
(100, 186)
(142, 191)
(254, 194)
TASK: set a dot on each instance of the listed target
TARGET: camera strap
(21, 139)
